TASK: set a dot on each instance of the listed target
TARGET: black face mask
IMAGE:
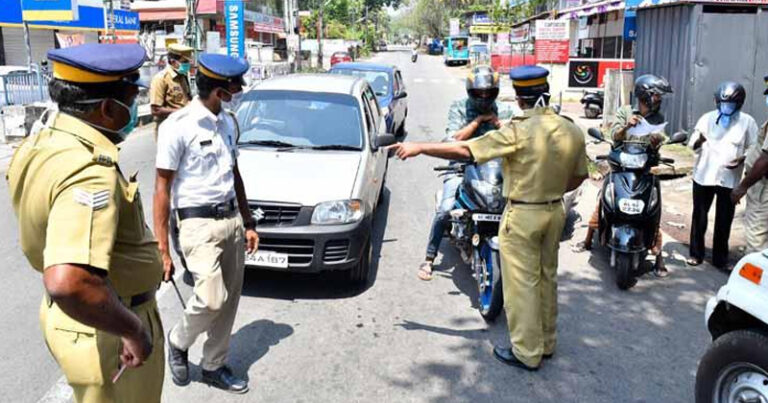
(483, 105)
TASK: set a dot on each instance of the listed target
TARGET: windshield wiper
(336, 147)
(268, 143)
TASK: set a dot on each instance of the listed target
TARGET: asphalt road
(311, 339)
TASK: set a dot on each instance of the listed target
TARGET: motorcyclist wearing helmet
(649, 92)
(721, 140)
(468, 118)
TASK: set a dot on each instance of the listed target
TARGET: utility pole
(320, 37)
(191, 28)
(29, 47)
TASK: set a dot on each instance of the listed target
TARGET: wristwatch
(250, 224)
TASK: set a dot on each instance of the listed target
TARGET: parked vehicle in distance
(313, 163)
(387, 83)
(340, 57)
(735, 367)
(456, 50)
(435, 47)
(382, 47)
(593, 104)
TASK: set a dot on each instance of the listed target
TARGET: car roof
(364, 67)
(330, 83)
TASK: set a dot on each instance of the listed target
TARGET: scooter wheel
(625, 278)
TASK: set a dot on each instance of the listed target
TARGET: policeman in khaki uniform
(755, 187)
(543, 157)
(197, 176)
(170, 89)
(82, 225)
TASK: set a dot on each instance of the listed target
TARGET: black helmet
(483, 80)
(731, 91)
(648, 85)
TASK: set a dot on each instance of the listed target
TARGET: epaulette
(104, 157)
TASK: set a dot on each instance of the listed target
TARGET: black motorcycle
(630, 205)
(474, 228)
(593, 104)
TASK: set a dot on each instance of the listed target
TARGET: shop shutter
(41, 41)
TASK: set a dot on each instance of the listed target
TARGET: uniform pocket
(75, 347)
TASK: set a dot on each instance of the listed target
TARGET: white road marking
(418, 80)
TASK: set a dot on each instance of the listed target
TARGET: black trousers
(703, 196)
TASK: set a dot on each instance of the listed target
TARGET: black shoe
(223, 378)
(178, 362)
(506, 356)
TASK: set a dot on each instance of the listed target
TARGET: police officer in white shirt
(721, 141)
(197, 176)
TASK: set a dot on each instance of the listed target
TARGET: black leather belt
(139, 299)
(544, 203)
(216, 211)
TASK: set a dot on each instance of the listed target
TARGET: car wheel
(358, 275)
(736, 363)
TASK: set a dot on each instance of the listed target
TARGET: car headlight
(633, 161)
(338, 212)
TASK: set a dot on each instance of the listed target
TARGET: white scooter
(735, 367)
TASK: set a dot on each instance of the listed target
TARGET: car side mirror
(596, 134)
(678, 138)
(384, 140)
(401, 95)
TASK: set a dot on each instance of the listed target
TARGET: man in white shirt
(197, 176)
(721, 141)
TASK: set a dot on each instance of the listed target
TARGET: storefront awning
(162, 15)
(590, 9)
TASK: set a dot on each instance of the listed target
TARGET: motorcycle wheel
(591, 113)
(625, 278)
(734, 369)
(489, 290)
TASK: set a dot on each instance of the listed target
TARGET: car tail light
(751, 273)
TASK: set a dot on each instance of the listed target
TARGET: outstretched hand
(405, 150)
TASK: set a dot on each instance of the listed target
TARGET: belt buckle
(219, 211)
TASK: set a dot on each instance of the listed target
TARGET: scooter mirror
(678, 138)
(596, 134)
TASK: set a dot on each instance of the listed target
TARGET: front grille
(336, 251)
(275, 213)
(299, 251)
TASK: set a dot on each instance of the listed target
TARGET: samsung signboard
(235, 27)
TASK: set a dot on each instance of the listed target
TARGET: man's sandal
(692, 261)
(425, 271)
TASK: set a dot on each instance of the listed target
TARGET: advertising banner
(454, 26)
(235, 27)
(630, 19)
(88, 18)
(552, 41)
(49, 10)
(520, 34)
(589, 73)
(70, 40)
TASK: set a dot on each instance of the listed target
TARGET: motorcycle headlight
(491, 194)
(338, 212)
(608, 195)
(654, 199)
(633, 161)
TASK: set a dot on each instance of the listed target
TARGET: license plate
(267, 259)
(487, 217)
(631, 207)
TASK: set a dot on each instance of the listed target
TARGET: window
(399, 79)
(379, 80)
(610, 48)
(300, 118)
(373, 104)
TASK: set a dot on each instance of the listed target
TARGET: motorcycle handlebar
(445, 168)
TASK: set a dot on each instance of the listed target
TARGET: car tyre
(737, 360)
(358, 275)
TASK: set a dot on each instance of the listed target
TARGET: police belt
(139, 299)
(215, 211)
(544, 203)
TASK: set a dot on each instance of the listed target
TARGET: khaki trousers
(756, 217)
(215, 254)
(530, 240)
(89, 357)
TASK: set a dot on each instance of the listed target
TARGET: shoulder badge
(94, 200)
(104, 157)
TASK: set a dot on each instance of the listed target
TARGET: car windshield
(379, 80)
(300, 119)
(459, 43)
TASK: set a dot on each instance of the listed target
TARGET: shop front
(89, 27)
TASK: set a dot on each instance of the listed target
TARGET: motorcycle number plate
(631, 207)
(487, 217)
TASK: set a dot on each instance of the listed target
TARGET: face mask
(237, 98)
(727, 111)
(483, 105)
(133, 120)
(183, 68)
